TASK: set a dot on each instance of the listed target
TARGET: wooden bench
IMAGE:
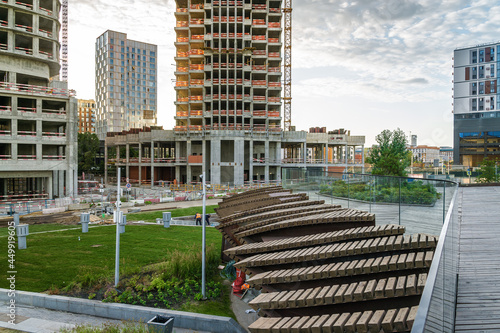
(380, 321)
(374, 289)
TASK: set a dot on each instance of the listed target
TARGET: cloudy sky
(365, 65)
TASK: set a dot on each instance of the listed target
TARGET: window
(492, 67)
(481, 88)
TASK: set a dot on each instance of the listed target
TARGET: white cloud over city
(361, 65)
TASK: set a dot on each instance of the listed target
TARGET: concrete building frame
(38, 120)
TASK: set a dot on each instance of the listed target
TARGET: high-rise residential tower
(126, 73)
(38, 141)
(476, 104)
(86, 116)
(228, 86)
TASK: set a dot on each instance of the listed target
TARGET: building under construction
(38, 142)
(228, 104)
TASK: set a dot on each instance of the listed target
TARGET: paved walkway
(478, 300)
(30, 319)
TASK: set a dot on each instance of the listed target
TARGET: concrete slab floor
(39, 320)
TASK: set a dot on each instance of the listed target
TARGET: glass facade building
(126, 83)
(476, 104)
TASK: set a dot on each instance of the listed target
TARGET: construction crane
(287, 97)
(64, 46)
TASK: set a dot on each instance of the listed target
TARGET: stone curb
(187, 320)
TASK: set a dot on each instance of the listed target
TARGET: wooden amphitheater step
(374, 289)
(380, 321)
(316, 239)
(346, 267)
(341, 249)
(279, 206)
(344, 215)
(253, 204)
(270, 214)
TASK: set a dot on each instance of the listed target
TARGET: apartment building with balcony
(86, 116)
(228, 86)
(126, 73)
(476, 103)
(227, 106)
(38, 142)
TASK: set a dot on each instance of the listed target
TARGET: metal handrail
(425, 300)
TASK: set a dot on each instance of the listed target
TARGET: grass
(129, 327)
(152, 216)
(54, 260)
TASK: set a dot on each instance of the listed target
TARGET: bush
(415, 192)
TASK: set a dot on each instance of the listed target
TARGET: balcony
(54, 157)
(36, 90)
(53, 135)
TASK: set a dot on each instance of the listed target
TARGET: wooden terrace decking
(478, 300)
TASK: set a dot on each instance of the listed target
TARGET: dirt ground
(65, 218)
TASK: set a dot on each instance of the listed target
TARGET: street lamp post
(117, 220)
(203, 251)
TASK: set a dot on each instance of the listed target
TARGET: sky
(364, 66)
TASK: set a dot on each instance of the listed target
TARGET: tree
(487, 172)
(88, 146)
(390, 157)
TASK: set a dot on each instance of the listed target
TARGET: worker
(198, 218)
(207, 219)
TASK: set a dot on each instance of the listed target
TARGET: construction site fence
(28, 207)
(168, 192)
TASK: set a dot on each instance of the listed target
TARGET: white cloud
(392, 54)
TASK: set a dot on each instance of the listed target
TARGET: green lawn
(56, 259)
(152, 216)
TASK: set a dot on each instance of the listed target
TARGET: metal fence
(27, 207)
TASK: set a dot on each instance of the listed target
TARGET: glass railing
(418, 204)
(421, 205)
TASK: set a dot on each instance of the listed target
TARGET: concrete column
(13, 150)
(55, 182)
(204, 159)
(48, 186)
(346, 154)
(152, 155)
(140, 163)
(38, 152)
(278, 158)
(266, 165)
(362, 158)
(250, 164)
(69, 181)
(215, 147)
(61, 184)
(239, 160)
(325, 153)
(304, 152)
(39, 106)
(105, 163)
(127, 157)
(188, 168)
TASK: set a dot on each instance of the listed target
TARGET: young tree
(390, 157)
(487, 172)
(88, 146)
